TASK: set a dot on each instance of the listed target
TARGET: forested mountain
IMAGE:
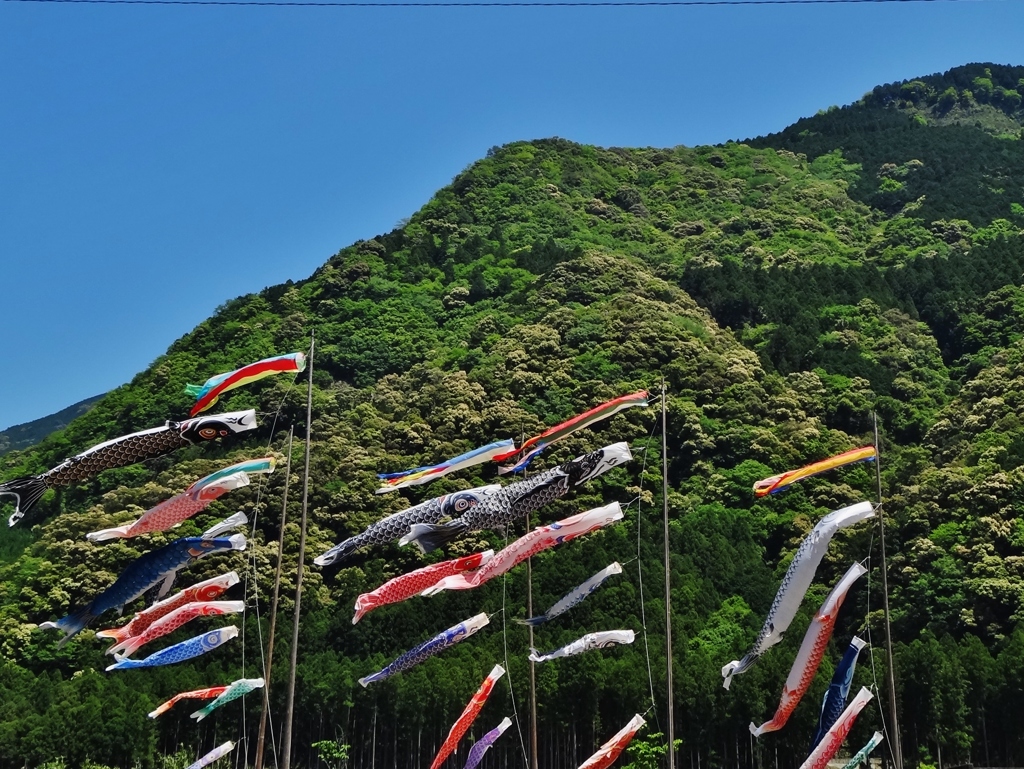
(867, 260)
(28, 434)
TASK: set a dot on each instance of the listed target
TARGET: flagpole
(668, 584)
(894, 742)
(286, 758)
(273, 604)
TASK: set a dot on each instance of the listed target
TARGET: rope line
(508, 668)
(251, 571)
(495, 4)
(639, 567)
(871, 657)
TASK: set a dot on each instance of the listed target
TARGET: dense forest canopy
(867, 260)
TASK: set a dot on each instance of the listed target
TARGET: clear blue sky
(157, 161)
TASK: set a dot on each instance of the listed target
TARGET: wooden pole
(286, 758)
(894, 741)
(533, 672)
(668, 584)
(273, 605)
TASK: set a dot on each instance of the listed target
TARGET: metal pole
(286, 758)
(273, 605)
(668, 584)
(894, 743)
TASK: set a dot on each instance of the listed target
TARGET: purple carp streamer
(481, 746)
(428, 649)
(419, 475)
(531, 447)
(124, 451)
(838, 690)
(611, 750)
(833, 739)
(146, 571)
(194, 499)
(180, 652)
(218, 752)
(795, 583)
(589, 642)
(236, 689)
(812, 649)
(515, 501)
(574, 597)
(540, 539)
(861, 755)
(398, 524)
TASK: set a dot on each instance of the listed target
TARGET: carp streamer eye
(210, 432)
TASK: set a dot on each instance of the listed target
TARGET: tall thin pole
(894, 742)
(529, 613)
(273, 605)
(286, 758)
(668, 583)
(533, 672)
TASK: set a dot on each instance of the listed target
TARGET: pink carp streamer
(196, 694)
(415, 582)
(175, 620)
(192, 500)
(207, 590)
(611, 750)
(808, 658)
(464, 721)
(541, 538)
(833, 739)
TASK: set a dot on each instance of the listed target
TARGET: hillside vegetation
(782, 293)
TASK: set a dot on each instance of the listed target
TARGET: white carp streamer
(589, 642)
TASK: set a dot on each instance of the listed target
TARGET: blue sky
(158, 161)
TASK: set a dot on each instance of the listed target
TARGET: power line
(481, 4)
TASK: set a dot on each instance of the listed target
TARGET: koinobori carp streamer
(427, 649)
(808, 658)
(575, 596)
(207, 393)
(415, 582)
(776, 483)
(510, 503)
(124, 451)
(207, 590)
(157, 567)
(194, 499)
(795, 583)
(611, 750)
(540, 539)
(468, 716)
